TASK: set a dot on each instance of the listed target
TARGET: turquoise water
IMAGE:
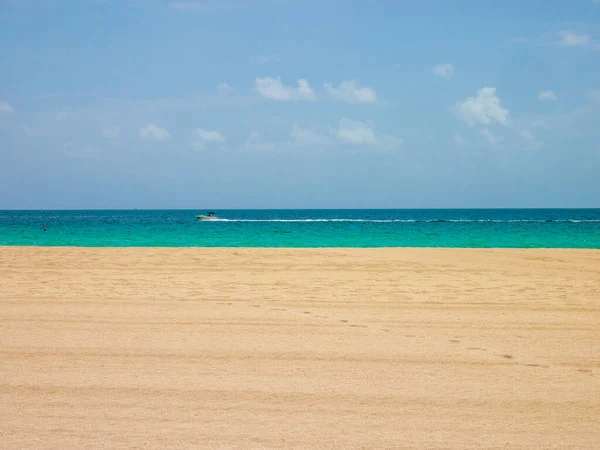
(566, 228)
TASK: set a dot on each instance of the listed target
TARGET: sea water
(510, 228)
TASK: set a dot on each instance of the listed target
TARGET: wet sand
(299, 348)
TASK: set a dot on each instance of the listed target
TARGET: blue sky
(299, 104)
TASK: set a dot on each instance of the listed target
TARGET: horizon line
(301, 209)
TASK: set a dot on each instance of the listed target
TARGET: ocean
(485, 228)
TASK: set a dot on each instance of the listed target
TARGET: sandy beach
(299, 348)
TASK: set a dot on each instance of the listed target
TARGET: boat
(208, 216)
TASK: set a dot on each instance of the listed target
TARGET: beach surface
(299, 348)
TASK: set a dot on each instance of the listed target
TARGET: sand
(299, 348)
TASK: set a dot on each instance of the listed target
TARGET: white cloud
(223, 87)
(111, 132)
(386, 142)
(547, 95)
(5, 108)
(208, 135)
(273, 89)
(305, 91)
(201, 137)
(576, 122)
(571, 39)
(196, 145)
(362, 133)
(348, 131)
(444, 70)
(355, 132)
(483, 109)
(308, 136)
(154, 133)
(531, 139)
(264, 59)
(563, 38)
(254, 142)
(351, 92)
(489, 136)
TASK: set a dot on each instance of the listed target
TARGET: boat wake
(415, 220)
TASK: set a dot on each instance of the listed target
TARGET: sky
(110, 104)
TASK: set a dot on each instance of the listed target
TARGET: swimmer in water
(44, 226)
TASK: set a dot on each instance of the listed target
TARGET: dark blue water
(519, 228)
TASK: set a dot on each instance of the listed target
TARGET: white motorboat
(208, 216)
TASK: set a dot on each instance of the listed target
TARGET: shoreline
(300, 248)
